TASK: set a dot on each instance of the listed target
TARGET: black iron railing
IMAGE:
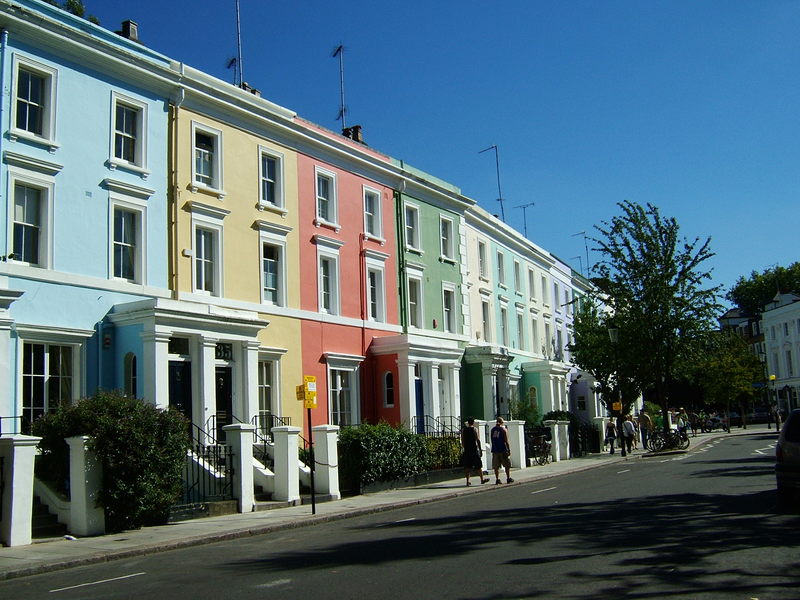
(444, 426)
(208, 470)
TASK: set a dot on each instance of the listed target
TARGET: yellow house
(233, 347)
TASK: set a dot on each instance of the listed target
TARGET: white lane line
(625, 471)
(72, 587)
(544, 490)
(406, 520)
(275, 583)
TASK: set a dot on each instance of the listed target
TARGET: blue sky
(693, 106)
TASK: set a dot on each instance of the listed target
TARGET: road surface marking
(544, 490)
(625, 471)
(275, 583)
(72, 587)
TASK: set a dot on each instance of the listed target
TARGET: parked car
(787, 457)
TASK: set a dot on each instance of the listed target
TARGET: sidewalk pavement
(60, 553)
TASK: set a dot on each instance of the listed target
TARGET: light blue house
(83, 185)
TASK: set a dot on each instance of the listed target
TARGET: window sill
(114, 163)
(374, 238)
(267, 207)
(502, 286)
(201, 188)
(416, 251)
(20, 134)
(323, 223)
(446, 259)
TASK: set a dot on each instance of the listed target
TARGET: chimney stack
(354, 133)
(130, 31)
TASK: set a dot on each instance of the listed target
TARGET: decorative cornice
(121, 187)
(34, 164)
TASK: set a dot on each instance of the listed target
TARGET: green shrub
(142, 451)
(371, 453)
(443, 452)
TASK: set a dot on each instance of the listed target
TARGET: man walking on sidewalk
(501, 451)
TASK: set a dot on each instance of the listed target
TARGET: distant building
(781, 324)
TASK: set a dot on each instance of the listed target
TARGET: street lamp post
(613, 335)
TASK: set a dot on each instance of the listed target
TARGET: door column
(155, 368)
(406, 395)
(206, 383)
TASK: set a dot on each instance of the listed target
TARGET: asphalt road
(699, 525)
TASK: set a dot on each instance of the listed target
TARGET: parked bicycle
(541, 447)
(674, 439)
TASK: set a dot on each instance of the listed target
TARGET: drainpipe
(174, 194)
(401, 255)
(3, 48)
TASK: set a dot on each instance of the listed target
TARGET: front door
(420, 398)
(180, 389)
(224, 411)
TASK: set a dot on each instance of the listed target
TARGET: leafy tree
(593, 351)
(657, 293)
(75, 7)
(752, 293)
(728, 371)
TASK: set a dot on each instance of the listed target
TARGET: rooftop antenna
(525, 216)
(339, 51)
(239, 65)
(580, 261)
(497, 165)
(586, 246)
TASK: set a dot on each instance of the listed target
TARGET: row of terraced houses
(193, 244)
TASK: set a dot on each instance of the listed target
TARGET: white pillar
(17, 453)
(287, 464)
(85, 478)
(205, 377)
(7, 402)
(600, 422)
(480, 427)
(434, 401)
(488, 380)
(239, 436)
(250, 380)
(455, 389)
(155, 368)
(406, 396)
(326, 458)
(563, 436)
(516, 441)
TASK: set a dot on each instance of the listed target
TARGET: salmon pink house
(348, 281)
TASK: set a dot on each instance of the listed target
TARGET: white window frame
(486, 320)
(350, 364)
(532, 284)
(211, 219)
(279, 206)
(376, 231)
(271, 356)
(386, 388)
(272, 234)
(139, 208)
(483, 271)
(46, 185)
(328, 250)
(216, 185)
(517, 277)
(520, 330)
(413, 245)
(418, 310)
(375, 263)
(449, 324)
(556, 297)
(446, 241)
(139, 162)
(333, 204)
(545, 291)
(501, 268)
(535, 345)
(50, 76)
(504, 325)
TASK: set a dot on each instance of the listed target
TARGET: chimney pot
(130, 30)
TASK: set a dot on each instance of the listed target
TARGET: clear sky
(691, 105)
